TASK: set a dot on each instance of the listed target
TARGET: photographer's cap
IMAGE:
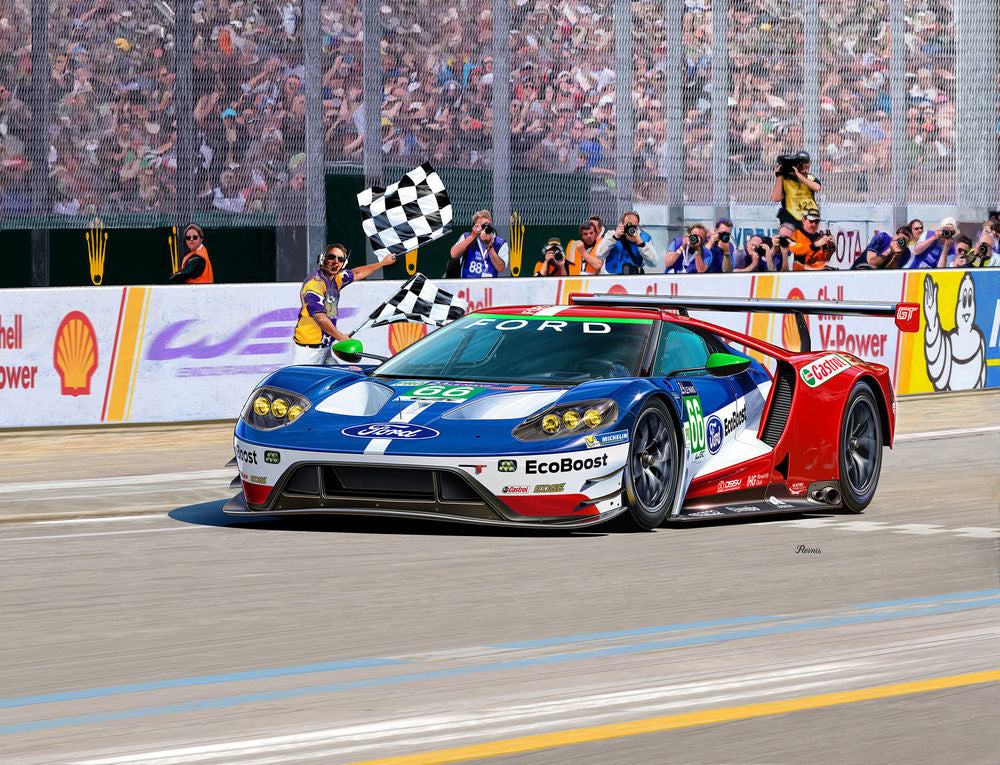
(553, 243)
(811, 214)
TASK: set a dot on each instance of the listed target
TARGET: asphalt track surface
(138, 624)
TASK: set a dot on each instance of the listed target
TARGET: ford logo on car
(390, 430)
(714, 429)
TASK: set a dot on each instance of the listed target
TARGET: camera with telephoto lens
(488, 229)
(783, 241)
(901, 241)
(724, 237)
(693, 239)
(557, 255)
(788, 162)
(760, 251)
(948, 233)
(631, 229)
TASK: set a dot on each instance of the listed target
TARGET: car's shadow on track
(210, 514)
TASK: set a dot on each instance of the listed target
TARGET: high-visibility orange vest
(207, 277)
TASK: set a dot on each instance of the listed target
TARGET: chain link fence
(556, 109)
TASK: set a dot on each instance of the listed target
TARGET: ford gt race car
(571, 415)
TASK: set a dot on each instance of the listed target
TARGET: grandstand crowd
(113, 116)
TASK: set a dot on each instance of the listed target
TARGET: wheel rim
(651, 461)
(861, 447)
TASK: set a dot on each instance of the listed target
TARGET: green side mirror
(349, 351)
(726, 364)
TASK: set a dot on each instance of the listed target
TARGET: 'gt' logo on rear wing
(908, 317)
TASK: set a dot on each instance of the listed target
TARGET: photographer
(761, 255)
(688, 254)
(795, 188)
(810, 246)
(936, 246)
(782, 244)
(962, 257)
(987, 249)
(627, 248)
(721, 246)
(553, 261)
(481, 253)
(886, 250)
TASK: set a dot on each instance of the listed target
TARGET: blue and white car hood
(351, 413)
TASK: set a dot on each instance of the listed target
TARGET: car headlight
(568, 420)
(269, 408)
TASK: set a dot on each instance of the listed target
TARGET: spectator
(688, 254)
(886, 250)
(582, 254)
(810, 246)
(916, 230)
(596, 220)
(626, 249)
(987, 249)
(795, 188)
(937, 246)
(481, 253)
(553, 261)
(196, 267)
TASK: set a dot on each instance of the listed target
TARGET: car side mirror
(726, 364)
(349, 351)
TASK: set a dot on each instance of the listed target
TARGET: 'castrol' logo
(390, 430)
(822, 369)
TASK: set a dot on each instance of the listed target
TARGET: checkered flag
(406, 214)
(419, 300)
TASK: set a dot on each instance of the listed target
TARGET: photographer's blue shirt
(624, 252)
(929, 257)
(685, 264)
(476, 261)
(715, 267)
(878, 245)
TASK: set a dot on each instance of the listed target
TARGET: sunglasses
(189, 237)
(338, 258)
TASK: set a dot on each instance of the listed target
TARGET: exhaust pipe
(816, 495)
(831, 495)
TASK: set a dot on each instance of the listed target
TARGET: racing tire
(860, 448)
(652, 472)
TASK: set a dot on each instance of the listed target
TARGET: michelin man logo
(956, 359)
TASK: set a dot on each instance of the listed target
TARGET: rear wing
(907, 315)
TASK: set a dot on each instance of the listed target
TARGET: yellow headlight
(279, 407)
(294, 412)
(571, 419)
(592, 418)
(550, 423)
(261, 406)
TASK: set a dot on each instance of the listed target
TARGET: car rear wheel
(653, 468)
(860, 448)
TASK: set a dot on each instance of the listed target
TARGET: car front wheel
(654, 463)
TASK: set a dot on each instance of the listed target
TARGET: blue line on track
(932, 599)
(230, 701)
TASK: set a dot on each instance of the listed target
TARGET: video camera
(788, 162)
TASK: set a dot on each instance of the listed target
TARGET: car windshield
(527, 349)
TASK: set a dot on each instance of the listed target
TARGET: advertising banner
(195, 352)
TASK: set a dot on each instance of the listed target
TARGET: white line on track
(929, 434)
(177, 479)
(94, 534)
(103, 519)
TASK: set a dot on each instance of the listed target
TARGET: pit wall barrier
(91, 355)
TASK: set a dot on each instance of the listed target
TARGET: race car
(567, 416)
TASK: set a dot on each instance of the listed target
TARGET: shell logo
(789, 330)
(403, 334)
(75, 353)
